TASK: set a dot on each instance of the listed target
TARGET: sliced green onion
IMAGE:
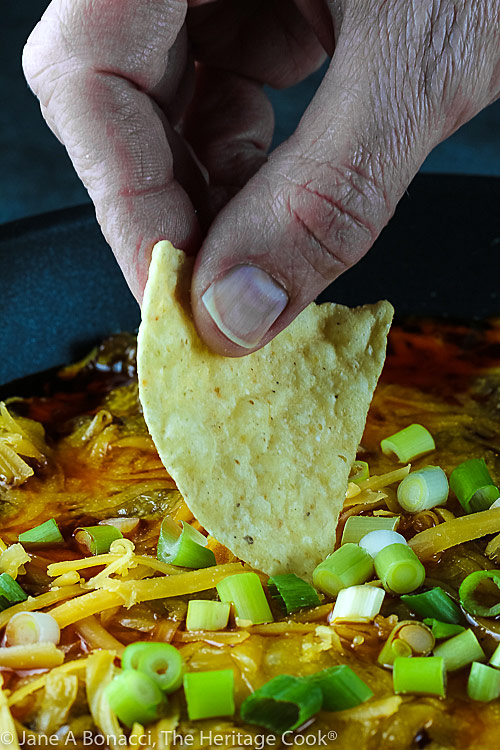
(10, 591)
(412, 442)
(186, 547)
(132, 654)
(422, 675)
(26, 628)
(209, 694)
(163, 663)
(483, 683)
(472, 484)
(45, 535)
(127, 525)
(341, 688)
(282, 704)
(96, 540)
(398, 648)
(359, 472)
(207, 615)
(135, 697)
(423, 489)
(407, 638)
(375, 541)
(460, 650)
(347, 566)
(434, 603)
(489, 582)
(245, 592)
(495, 657)
(358, 602)
(356, 527)
(399, 569)
(441, 629)
(292, 592)
(484, 498)
(418, 637)
(392, 648)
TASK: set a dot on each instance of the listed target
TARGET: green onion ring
(468, 588)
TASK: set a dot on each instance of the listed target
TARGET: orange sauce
(442, 375)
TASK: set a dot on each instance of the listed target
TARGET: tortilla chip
(261, 446)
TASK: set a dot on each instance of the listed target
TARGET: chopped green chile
(292, 592)
(434, 603)
(472, 484)
(469, 592)
(282, 704)
(454, 531)
(341, 688)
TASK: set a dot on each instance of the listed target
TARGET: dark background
(36, 175)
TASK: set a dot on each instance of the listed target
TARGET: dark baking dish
(61, 289)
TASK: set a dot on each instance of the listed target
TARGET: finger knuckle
(31, 60)
(46, 60)
(337, 213)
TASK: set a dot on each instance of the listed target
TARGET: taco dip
(125, 623)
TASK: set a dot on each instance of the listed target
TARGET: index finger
(95, 65)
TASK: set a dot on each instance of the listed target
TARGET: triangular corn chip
(261, 446)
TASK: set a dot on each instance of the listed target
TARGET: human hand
(115, 81)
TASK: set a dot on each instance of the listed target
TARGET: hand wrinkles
(332, 208)
(404, 75)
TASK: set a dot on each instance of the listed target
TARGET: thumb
(316, 207)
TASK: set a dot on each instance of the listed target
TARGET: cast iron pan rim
(86, 211)
(45, 221)
(62, 290)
